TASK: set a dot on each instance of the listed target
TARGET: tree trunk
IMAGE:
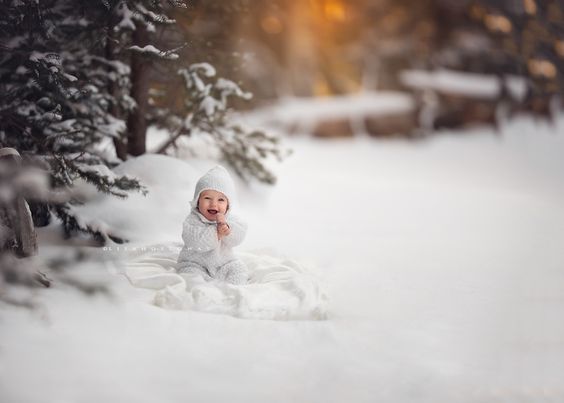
(119, 143)
(140, 69)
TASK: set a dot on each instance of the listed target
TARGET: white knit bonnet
(217, 179)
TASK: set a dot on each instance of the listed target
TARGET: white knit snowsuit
(203, 252)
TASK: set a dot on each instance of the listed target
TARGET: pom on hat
(217, 179)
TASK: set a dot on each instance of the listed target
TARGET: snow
(120, 67)
(207, 69)
(192, 79)
(161, 18)
(113, 128)
(463, 83)
(49, 58)
(228, 87)
(152, 50)
(305, 111)
(99, 169)
(70, 77)
(72, 21)
(61, 127)
(210, 105)
(443, 260)
(126, 15)
(159, 214)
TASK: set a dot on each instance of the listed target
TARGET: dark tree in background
(529, 42)
(175, 83)
(190, 96)
(131, 38)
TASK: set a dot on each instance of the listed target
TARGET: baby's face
(211, 203)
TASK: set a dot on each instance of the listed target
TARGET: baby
(210, 231)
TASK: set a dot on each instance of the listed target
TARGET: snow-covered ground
(444, 261)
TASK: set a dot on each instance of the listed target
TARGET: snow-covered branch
(151, 50)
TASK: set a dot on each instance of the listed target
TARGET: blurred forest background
(332, 47)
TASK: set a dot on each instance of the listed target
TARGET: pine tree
(55, 104)
(149, 30)
(205, 112)
(197, 100)
(132, 27)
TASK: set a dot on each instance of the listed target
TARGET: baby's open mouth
(212, 211)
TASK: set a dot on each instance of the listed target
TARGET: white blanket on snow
(278, 289)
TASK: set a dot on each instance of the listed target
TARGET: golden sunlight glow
(271, 24)
(334, 10)
(320, 86)
(498, 23)
(530, 6)
(542, 68)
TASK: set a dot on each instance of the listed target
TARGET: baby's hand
(223, 230)
(222, 227)
(219, 217)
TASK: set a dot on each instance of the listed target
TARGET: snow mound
(156, 216)
(279, 289)
(159, 170)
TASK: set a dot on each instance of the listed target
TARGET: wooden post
(137, 121)
(14, 210)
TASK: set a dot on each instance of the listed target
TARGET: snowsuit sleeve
(199, 237)
(238, 231)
